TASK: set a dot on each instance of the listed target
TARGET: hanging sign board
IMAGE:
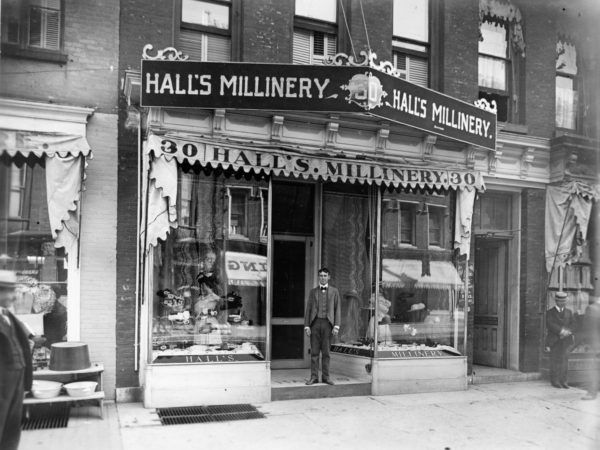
(190, 84)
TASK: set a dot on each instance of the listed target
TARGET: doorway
(292, 262)
(490, 301)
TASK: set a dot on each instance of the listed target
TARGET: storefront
(241, 208)
(43, 156)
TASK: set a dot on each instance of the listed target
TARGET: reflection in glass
(27, 247)
(210, 274)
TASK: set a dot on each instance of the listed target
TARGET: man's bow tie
(323, 288)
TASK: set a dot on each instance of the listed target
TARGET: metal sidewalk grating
(211, 413)
(44, 416)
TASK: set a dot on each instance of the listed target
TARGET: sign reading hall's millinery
(289, 87)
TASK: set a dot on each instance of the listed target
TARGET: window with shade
(205, 30)
(315, 31)
(410, 43)
(33, 28)
(502, 60)
(566, 86)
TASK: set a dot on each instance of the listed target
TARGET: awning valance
(246, 269)
(407, 274)
(28, 143)
(295, 162)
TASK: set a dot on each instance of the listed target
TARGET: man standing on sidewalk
(591, 329)
(559, 322)
(321, 321)
(15, 365)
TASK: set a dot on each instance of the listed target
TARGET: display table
(93, 373)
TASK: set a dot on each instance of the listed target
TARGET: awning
(305, 164)
(65, 174)
(246, 269)
(28, 143)
(406, 273)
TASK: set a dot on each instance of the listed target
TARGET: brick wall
(461, 34)
(267, 28)
(98, 245)
(142, 22)
(533, 278)
(89, 78)
(378, 23)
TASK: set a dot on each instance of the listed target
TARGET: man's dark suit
(559, 345)
(15, 378)
(321, 329)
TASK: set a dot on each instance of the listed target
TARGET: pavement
(519, 415)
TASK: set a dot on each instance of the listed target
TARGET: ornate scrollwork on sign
(368, 60)
(483, 103)
(166, 54)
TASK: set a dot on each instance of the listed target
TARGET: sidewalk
(492, 416)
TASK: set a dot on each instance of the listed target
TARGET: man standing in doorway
(15, 365)
(321, 321)
(560, 323)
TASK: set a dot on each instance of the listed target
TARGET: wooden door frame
(308, 268)
(506, 306)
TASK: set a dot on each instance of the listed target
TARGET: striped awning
(301, 163)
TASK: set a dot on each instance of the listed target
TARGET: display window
(27, 247)
(210, 274)
(418, 310)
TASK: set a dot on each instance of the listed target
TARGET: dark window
(315, 31)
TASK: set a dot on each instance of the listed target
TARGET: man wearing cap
(15, 365)
(321, 321)
(559, 323)
(591, 329)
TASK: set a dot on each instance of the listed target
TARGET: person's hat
(561, 295)
(351, 294)
(8, 278)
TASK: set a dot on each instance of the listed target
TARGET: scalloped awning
(28, 143)
(249, 157)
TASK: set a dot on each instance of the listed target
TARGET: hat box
(69, 356)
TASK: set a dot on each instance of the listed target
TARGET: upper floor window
(566, 86)
(398, 223)
(501, 49)
(205, 31)
(32, 28)
(436, 225)
(410, 44)
(315, 31)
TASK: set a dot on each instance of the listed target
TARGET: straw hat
(8, 279)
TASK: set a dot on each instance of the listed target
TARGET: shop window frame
(21, 48)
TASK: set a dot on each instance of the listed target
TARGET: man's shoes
(589, 397)
(556, 384)
(312, 381)
(564, 385)
(328, 381)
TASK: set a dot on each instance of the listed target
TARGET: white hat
(8, 278)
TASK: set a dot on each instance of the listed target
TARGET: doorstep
(485, 375)
(289, 384)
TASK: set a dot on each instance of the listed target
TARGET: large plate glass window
(27, 247)
(205, 30)
(210, 274)
(420, 306)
